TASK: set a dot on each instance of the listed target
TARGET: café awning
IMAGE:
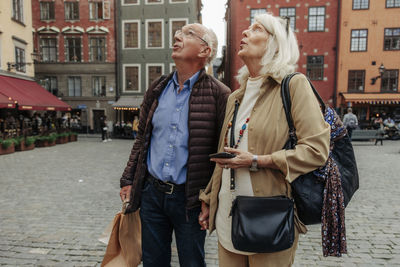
(128, 103)
(6, 102)
(29, 95)
(378, 98)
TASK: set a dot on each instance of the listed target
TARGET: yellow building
(369, 58)
(16, 38)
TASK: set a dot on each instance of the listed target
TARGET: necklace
(241, 132)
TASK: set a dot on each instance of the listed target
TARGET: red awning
(6, 102)
(29, 95)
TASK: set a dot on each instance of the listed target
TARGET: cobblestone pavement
(55, 202)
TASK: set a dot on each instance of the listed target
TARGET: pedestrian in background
(269, 51)
(179, 125)
(350, 121)
(103, 127)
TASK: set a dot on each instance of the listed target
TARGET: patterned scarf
(333, 228)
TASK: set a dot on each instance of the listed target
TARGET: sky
(213, 17)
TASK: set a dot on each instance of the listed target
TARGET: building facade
(76, 43)
(315, 24)
(145, 40)
(370, 44)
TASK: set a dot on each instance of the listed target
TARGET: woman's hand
(242, 160)
(204, 215)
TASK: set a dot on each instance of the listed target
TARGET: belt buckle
(172, 188)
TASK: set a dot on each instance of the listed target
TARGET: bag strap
(287, 105)
(232, 143)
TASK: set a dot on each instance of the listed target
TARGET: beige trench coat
(267, 134)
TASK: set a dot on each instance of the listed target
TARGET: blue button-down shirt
(168, 153)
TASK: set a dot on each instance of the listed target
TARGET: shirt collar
(192, 80)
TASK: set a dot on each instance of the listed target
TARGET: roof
(372, 98)
(29, 95)
(128, 102)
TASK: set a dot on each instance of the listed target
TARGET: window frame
(20, 59)
(316, 21)
(356, 90)
(41, 48)
(383, 90)
(48, 84)
(146, 2)
(352, 6)
(252, 16)
(394, 4)
(91, 59)
(351, 40)
(130, 4)
(96, 3)
(124, 66)
(147, 33)
(310, 68)
(65, 10)
(67, 56)
(99, 77)
(148, 72)
(294, 17)
(391, 37)
(181, 2)
(50, 6)
(80, 86)
(171, 34)
(123, 33)
(17, 11)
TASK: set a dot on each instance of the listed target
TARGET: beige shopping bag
(124, 247)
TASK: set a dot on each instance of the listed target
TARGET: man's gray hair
(211, 38)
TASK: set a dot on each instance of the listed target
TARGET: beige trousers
(277, 259)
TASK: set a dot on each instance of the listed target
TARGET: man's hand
(203, 216)
(125, 192)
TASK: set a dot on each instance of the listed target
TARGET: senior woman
(269, 51)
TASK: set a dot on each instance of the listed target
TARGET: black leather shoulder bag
(260, 224)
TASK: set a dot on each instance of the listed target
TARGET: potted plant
(62, 138)
(42, 141)
(73, 136)
(52, 139)
(7, 146)
(29, 143)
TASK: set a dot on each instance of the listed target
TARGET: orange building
(369, 58)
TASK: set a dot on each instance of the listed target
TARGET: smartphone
(222, 155)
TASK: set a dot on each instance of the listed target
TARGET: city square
(55, 202)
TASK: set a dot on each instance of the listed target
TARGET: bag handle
(232, 143)
(287, 105)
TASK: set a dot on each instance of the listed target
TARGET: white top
(243, 185)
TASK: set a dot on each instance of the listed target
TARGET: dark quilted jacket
(206, 114)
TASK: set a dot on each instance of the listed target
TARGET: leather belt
(165, 187)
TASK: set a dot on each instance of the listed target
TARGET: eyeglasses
(190, 33)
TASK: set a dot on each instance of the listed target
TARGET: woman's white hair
(281, 53)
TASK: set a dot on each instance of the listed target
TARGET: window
(316, 19)
(392, 39)
(131, 34)
(71, 10)
(18, 10)
(315, 67)
(154, 1)
(97, 49)
(254, 12)
(356, 81)
(48, 49)
(46, 10)
(95, 10)
(359, 40)
(174, 25)
(99, 85)
(154, 31)
(74, 86)
(360, 4)
(50, 83)
(73, 49)
(132, 78)
(20, 59)
(153, 72)
(392, 3)
(178, 1)
(390, 81)
(291, 13)
(131, 2)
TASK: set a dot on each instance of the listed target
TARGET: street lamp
(381, 71)
(17, 65)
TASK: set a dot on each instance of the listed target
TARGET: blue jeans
(160, 214)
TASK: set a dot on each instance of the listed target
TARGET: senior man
(179, 126)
